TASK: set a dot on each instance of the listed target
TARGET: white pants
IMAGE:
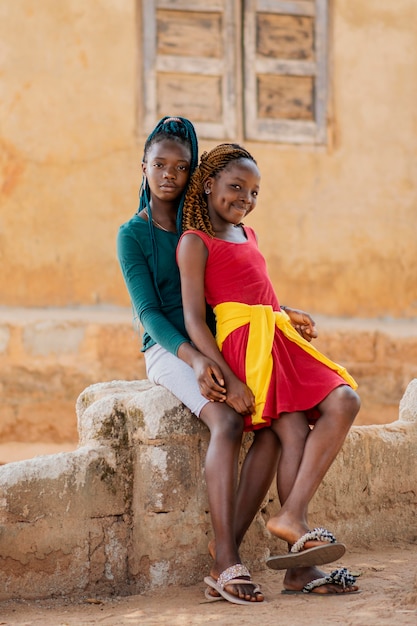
(166, 369)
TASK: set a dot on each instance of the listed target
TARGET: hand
(303, 323)
(209, 378)
(240, 397)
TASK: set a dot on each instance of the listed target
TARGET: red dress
(237, 272)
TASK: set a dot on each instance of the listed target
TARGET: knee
(292, 429)
(223, 421)
(231, 426)
(267, 439)
(350, 402)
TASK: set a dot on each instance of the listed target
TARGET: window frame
(288, 131)
(153, 64)
(239, 68)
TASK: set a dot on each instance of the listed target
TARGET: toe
(245, 592)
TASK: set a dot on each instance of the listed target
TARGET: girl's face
(233, 192)
(167, 169)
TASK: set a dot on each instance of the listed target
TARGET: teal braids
(177, 129)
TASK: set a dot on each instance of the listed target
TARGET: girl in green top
(146, 247)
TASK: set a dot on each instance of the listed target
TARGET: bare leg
(306, 472)
(292, 430)
(260, 467)
(323, 443)
(258, 470)
(221, 470)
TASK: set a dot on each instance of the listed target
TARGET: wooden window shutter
(285, 70)
(189, 63)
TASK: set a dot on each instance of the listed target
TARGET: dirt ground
(388, 579)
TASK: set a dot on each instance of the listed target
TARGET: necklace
(156, 223)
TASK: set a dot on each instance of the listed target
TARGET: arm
(140, 285)
(192, 258)
(134, 263)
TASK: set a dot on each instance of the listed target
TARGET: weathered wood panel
(285, 36)
(190, 65)
(192, 5)
(285, 70)
(286, 97)
(287, 7)
(189, 33)
(190, 95)
(194, 52)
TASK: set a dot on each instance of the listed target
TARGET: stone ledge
(127, 512)
(63, 524)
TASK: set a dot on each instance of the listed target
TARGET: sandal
(299, 557)
(341, 577)
(230, 577)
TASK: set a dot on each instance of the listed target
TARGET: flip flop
(319, 555)
(341, 577)
(211, 598)
(229, 577)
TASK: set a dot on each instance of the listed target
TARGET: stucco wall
(69, 155)
(337, 223)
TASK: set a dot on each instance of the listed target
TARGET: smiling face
(167, 169)
(233, 192)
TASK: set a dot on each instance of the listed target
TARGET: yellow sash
(262, 320)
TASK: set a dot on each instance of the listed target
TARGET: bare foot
(212, 552)
(244, 592)
(296, 578)
(241, 590)
(290, 529)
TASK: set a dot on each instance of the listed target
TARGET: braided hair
(176, 129)
(195, 210)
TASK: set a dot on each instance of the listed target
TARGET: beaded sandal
(230, 576)
(341, 577)
(299, 557)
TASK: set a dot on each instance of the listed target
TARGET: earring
(207, 191)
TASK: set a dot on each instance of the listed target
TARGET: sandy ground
(388, 579)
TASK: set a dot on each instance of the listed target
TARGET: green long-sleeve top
(160, 315)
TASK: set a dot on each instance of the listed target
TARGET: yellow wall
(338, 224)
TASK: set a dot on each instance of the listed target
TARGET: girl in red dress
(272, 376)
